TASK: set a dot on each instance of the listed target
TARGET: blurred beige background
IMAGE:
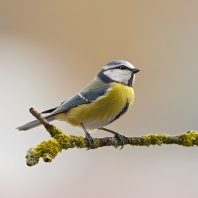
(49, 50)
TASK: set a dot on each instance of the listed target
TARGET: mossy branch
(49, 149)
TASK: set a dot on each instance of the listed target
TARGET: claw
(88, 137)
(118, 136)
(121, 138)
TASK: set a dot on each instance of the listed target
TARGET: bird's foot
(89, 139)
(117, 135)
(120, 138)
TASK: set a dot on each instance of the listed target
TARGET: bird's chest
(119, 100)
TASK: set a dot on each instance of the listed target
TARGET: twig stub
(39, 117)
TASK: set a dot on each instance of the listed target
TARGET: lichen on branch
(48, 150)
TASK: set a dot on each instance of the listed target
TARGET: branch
(49, 149)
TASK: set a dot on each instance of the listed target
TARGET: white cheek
(118, 75)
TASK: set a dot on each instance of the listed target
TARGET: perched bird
(101, 102)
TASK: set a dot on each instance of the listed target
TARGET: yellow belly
(100, 112)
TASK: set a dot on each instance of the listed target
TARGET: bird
(108, 97)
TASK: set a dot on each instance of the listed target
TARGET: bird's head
(118, 71)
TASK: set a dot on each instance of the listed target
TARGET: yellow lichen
(49, 149)
(189, 139)
(96, 143)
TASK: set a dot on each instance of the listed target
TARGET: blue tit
(109, 96)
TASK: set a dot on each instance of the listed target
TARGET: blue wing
(87, 95)
(79, 99)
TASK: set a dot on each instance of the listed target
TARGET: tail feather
(34, 123)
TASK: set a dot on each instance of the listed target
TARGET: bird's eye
(122, 67)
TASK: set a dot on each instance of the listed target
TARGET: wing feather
(79, 99)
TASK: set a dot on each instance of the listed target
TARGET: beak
(135, 70)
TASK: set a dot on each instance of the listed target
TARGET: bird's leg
(118, 136)
(88, 136)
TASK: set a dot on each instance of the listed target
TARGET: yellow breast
(100, 112)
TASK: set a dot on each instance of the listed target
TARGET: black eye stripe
(122, 67)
